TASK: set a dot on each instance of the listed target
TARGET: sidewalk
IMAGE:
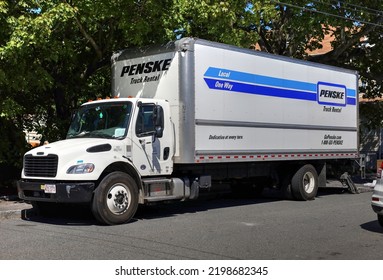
(11, 207)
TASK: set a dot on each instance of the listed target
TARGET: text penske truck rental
(194, 113)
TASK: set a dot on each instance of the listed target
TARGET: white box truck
(193, 113)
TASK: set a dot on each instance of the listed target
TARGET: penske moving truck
(192, 114)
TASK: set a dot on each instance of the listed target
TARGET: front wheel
(115, 199)
(304, 184)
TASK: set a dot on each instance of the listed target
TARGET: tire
(380, 220)
(115, 200)
(304, 183)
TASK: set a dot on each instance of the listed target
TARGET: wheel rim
(118, 199)
(308, 182)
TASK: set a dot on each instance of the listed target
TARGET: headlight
(81, 168)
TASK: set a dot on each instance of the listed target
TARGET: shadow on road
(372, 226)
(81, 215)
(70, 215)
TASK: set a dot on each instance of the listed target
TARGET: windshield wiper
(99, 134)
(91, 134)
(81, 134)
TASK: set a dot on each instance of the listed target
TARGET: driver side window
(145, 122)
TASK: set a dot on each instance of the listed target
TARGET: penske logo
(146, 67)
(331, 94)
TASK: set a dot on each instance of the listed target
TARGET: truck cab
(123, 138)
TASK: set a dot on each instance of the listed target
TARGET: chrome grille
(40, 166)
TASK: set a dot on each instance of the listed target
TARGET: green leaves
(3, 7)
(55, 54)
(223, 21)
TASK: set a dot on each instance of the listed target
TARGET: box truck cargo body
(192, 113)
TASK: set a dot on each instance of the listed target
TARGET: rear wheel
(115, 199)
(304, 183)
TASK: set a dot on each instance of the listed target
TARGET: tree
(55, 54)
(357, 32)
(293, 27)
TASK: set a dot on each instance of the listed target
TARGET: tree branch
(89, 38)
(86, 35)
(334, 54)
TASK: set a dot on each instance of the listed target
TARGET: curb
(365, 189)
(11, 207)
(17, 214)
(14, 214)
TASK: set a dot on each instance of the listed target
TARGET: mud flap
(347, 181)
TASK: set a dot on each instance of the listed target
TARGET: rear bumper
(65, 192)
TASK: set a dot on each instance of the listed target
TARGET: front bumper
(378, 209)
(377, 197)
(65, 192)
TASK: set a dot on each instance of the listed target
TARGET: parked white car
(377, 200)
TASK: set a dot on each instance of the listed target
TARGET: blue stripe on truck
(229, 80)
(259, 79)
(260, 90)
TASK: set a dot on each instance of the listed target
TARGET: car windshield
(101, 120)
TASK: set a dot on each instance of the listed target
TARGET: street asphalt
(12, 207)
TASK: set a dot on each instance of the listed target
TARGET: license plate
(49, 188)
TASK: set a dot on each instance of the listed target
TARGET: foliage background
(55, 54)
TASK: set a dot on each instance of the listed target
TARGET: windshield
(101, 120)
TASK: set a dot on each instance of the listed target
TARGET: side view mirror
(158, 119)
(159, 131)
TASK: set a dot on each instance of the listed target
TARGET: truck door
(152, 148)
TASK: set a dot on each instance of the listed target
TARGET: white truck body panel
(232, 104)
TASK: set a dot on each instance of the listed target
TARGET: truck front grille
(40, 166)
